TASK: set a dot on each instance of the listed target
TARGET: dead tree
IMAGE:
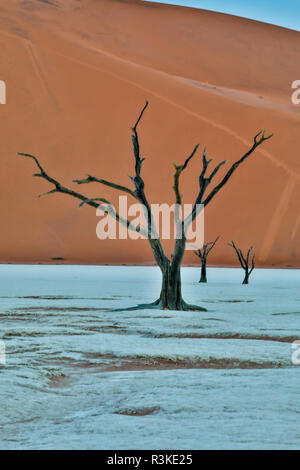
(203, 254)
(244, 261)
(170, 295)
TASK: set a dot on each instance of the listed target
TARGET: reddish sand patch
(279, 339)
(138, 411)
(127, 363)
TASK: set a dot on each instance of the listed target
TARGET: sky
(280, 12)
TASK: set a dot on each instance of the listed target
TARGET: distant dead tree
(244, 261)
(203, 254)
(170, 295)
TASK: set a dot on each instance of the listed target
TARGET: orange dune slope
(77, 73)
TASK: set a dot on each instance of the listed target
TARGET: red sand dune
(77, 74)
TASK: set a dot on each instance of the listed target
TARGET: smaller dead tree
(202, 254)
(244, 261)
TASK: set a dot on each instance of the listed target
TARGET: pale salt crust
(59, 329)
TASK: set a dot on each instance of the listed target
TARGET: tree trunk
(246, 279)
(203, 271)
(170, 296)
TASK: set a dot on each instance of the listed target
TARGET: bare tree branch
(198, 253)
(141, 196)
(248, 254)
(137, 180)
(84, 200)
(207, 247)
(178, 170)
(136, 144)
(253, 264)
(210, 245)
(258, 140)
(205, 181)
(239, 254)
(92, 179)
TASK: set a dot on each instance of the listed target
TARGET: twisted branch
(178, 170)
(258, 140)
(59, 188)
(205, 181)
